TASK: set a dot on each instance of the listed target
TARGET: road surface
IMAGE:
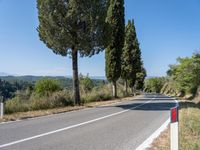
(122, 126)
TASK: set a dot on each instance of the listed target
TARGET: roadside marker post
(174, 128)
(1, 107)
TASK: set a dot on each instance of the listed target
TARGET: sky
(166, 29)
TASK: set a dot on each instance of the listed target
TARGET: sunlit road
(123, 126)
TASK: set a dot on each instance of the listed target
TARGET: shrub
(154, 84)
(57, 99)
(86, 84)
(16, 105)
(45, 87)
(97, 94)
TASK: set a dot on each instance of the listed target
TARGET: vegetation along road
(119, 126)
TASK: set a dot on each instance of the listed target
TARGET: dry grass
(189, 129)
(162, 142)
(32, 114)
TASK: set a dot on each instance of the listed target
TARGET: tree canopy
(132, 66)
(116, 21)
(186, 73)
(72, 26)
(68, 23)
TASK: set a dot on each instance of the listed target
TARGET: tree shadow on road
(189, 104)
(151, 106)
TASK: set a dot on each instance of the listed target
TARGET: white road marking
(147, 143)
(50, 115)
(70, 127)
(149, 140)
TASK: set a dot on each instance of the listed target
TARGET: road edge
(147, 143)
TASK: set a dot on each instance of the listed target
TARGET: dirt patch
(162, 142)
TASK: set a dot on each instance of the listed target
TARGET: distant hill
(4, 74)
(65, 82)
(28, 78)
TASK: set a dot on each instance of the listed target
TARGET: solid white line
(149, 140)
(70, 127)
(50, 115)
(147, 143)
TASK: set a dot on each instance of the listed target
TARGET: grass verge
(38, 113)
(189, 129)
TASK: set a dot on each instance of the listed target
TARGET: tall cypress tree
(140, 77)
(131, 56)
(128, 60)
(136, 56)
(71, 26)
(116, 21)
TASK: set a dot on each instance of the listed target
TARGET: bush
(45, 87)
(186, 74)
(86, 84)
(57, 99)
(16, 105)
(154, 84)
(97, 94)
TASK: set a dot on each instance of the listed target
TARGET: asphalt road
(123, 126)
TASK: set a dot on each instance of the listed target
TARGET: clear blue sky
(166, 30)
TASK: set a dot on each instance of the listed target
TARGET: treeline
(11, 85)
(73, 28)
(9, 88)
(48, 93)
(183, 78)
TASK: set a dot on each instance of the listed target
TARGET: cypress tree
(137, 61)
(128, 61)
(116, 21)
(140, 77)
(131, 56)
(71, 26)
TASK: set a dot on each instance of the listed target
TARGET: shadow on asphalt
(148, 106)
(189, 104)
(152, 106)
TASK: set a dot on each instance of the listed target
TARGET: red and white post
(1, 107)
(174, 128)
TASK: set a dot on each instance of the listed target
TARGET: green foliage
(186, 74)
(9, 88)
(154, 84)
(140, 78)
(16, 105)
(131, 57)
(72, 26)
(116, 21)
(86, 84)
(101, 93)
(115, 18)
(45, 87)
(55, 100)
(64, 24)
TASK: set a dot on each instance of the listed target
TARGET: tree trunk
(133, 91)
(115, 89)
(126, 87)
(76, 92)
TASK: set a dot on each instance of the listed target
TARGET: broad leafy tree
(186, 74)
(116, 21)
(71, 26)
